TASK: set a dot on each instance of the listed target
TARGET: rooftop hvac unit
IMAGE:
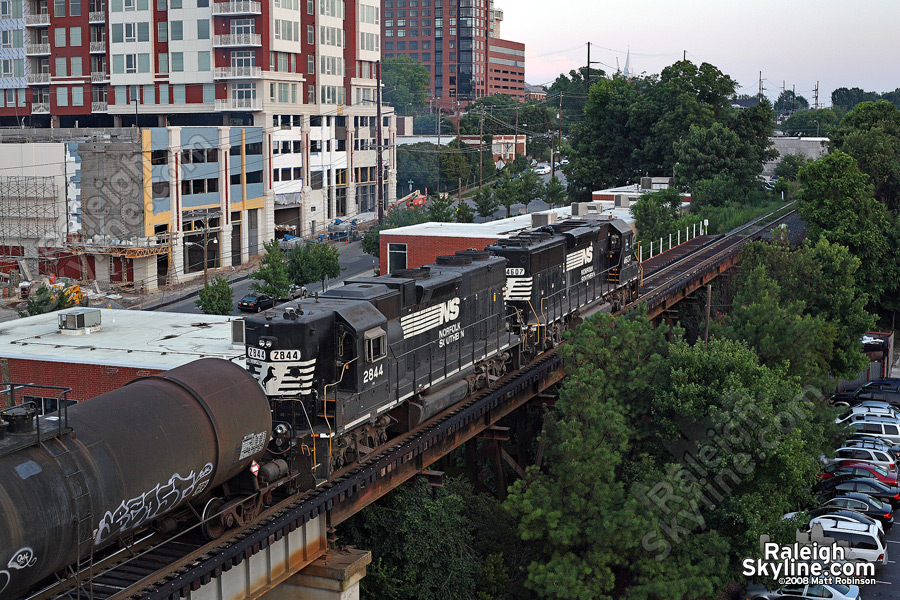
(543, 219)
(646, 183)
(79, 320)
(623, 201)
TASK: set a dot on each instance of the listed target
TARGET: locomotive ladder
(81, 509)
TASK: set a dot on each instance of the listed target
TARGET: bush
(216, 297)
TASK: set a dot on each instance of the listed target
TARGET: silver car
(813, 592)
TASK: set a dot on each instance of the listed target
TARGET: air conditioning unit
(79, 321)
(543, 219)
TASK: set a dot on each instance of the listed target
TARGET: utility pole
(816, 97)
(438, 154)
(516, 137)
(684, 57)
(379, 160)
(587, 75)
(761, 88)
(205, 248)
(459, 179)
(559, 132)
(481, 152)
(793, 98)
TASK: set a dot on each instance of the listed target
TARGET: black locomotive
(383, 354)
(339, 373)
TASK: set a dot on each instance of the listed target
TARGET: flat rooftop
(127, 338)
(501, 228)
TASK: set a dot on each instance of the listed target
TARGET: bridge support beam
(333, 576)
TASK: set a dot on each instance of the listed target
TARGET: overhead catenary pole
(379, 160)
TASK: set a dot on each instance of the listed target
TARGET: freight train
(327, 381)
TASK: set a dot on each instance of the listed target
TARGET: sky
(793, 42)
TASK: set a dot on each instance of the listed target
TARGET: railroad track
(170, 569)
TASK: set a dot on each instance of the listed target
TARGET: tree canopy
(405, 84)
(216, 297)
(272, 276)
(313, 262)
(788, 103)
(810, 123)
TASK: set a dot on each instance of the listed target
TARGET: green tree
(716, 151)
(313, 262)
(838, 204)
(397, 217)
(417, 163)
(789, 103)
(508, 192)
(716, 192)
(656, 214)
(789, 166)
(571, 92)
(554, 192)
(485, 203)
(427, 124)
(272, 277)
(464, 213)
(405, 84)
(870, 133)
(847, 98)
(216, 297)
(41, 300)
(811, 123)
(531, 187)
(440, 209)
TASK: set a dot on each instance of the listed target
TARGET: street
(353, 260)
(889, 576)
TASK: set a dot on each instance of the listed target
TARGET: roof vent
(80, 321)
(420, 273)
(452, 260)
(475, 255)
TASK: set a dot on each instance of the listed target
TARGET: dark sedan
(839, 486)
(859, 439)
(886, 389)
(863, 504)
(255, 302)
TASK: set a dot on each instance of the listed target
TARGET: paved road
(352, 259)
(888, 586)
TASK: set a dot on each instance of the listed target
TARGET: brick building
(127, 345)
(458, 42)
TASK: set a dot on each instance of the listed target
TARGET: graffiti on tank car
(23, 559)
(144, 508)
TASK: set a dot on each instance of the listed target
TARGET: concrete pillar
(117, 121)
(145, 273)
(245, 237)
(334, 576)
(225, 197)
(101, 268)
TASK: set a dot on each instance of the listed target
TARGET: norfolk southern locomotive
(340, 374)
(383, 354)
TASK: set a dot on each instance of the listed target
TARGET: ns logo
(579, 258)
(450, 310)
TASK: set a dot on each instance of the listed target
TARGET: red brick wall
(423, 250)
(86, 381)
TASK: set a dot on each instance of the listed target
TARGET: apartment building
(250, 117)
(455, 40)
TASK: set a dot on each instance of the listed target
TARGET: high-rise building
(280, 94)
(454, 39)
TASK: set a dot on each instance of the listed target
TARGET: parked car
(868, 452)
(564, 161)
(812, 592)
(884, 383)
(861, 411)
(861, 439)
(838, 486)
(542, 169)
(255, 302)
(887, 429)
(830, 511)
(866, 470)
(296, 291)
(865, 505)
(864, 543)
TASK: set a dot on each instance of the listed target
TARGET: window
(75, 36)
(130, 32)
(59, 37)
(203, 61)
(74, 8)
(162, 31)
(62, 96)
(46, 406)
(178, 62)
(396, 257)
(61, 66)
(59, 8)
(76, 69)
(178, 94)
(143, 32)
(159, 157)
(131, 63)
(177, 29)
(203, 29)
(163, 93)
(162, 64)
(376, 345)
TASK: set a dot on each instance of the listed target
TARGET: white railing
(98, 47)
(674, 239)
(97, 17)
(37, 78)
(98, 107)
(238, 39)
(99, 77)
(238, 72)
(39, 19)
(32, 49)
(40, 108)
(237, 104)
(238, 7)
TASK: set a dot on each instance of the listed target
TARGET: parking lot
(888, 586)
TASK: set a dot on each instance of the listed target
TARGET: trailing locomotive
(124, 461)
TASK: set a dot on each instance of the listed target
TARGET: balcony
(40, 20)
(99, 77)
(97, 18)
(40, 108)
(237, 40)
(238, 72)
(238, 104)
(38, 79)
(237, 7)
(100, 107)
(98, 47)
(37, 49)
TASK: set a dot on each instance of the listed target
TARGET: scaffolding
(30, 225)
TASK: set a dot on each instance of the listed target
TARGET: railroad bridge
(286, 553)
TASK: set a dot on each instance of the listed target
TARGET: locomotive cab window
(376, 345)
